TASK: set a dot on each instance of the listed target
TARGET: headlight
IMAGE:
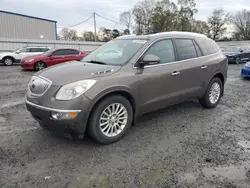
(74, 90)
(30, 60)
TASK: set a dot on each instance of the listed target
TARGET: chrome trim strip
(49, 109)
(170, 63)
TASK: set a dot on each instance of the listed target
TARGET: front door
(159, 83)
(58, 56)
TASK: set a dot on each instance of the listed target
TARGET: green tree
(164, 16)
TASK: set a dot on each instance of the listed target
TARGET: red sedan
(50, 58)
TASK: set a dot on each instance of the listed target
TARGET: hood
(2, 54)
(33, 56)
(69, 72)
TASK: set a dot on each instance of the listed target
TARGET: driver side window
(164, 49)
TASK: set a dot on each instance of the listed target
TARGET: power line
(107, 19)
(78, 23)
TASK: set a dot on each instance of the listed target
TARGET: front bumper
(245, 72)
(27, 66)
(43, 115)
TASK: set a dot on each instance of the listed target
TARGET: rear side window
(186, 49)
(36, 50)
(208, 46)
(198, 51)
(60, 53)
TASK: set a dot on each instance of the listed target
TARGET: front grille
(38, 85)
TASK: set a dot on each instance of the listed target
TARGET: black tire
(39, 66)
(237, 60)
(8, 61)
(205, 100)
(94, 129)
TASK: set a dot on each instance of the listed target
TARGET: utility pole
(94, 25)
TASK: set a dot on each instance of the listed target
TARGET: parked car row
(37, 58)
(237, 54)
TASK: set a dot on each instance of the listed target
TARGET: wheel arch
(222, 78)
(9, 56)
(123, 92)
(38, 62)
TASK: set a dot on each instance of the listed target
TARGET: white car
(8, 58)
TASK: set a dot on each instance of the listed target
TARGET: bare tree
(198, 26)
(241, 21)
(68, 34)
(217, 23)
(143, 12)
(88, 36)
(126, 19)
(186, 13)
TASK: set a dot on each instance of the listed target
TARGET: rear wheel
(110, 119)
(213, 94)
(40, 66)
(8, 61)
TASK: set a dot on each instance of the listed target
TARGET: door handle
(204, 67)
(175, 73)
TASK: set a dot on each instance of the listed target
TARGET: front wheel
(40, 66)
(213, 94)
(237, 60)
(110, 119)
(8, 61)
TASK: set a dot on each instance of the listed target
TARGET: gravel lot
(181, 146)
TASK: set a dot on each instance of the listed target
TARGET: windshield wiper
(97, 62)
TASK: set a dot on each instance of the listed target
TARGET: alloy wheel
(214, 93)
(8, 61)
(113, 119)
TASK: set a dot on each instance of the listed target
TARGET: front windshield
(115, 52)
(231, 49)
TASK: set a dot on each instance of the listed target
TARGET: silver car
(103, 97)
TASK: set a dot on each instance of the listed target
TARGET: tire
(103, 134)
(237, 60)
(207, 100)
(39, 66)
(8, 61)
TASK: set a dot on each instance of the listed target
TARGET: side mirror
(149, 60)
(241, 51)
(18, 52)
(50, 56)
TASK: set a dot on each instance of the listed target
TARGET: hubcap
(113, 119)
(39, 66)
(8, 61)
(214, 94)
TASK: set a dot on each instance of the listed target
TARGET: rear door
(191, 68)
(159, 83)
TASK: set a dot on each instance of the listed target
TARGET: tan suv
(125, 78)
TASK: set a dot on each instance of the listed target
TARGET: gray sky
(70, 12)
